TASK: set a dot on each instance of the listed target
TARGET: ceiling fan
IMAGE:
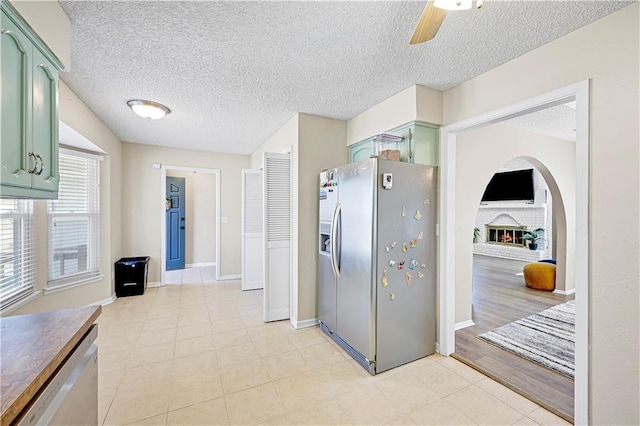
(433, 15)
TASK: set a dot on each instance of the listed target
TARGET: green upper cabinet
(421, 141)
(29, 112)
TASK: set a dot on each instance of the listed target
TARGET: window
(16, 251)
(74, 222)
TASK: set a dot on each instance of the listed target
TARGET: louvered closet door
(277, 226)
(252, 235)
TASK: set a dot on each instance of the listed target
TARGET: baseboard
(437, 347)
(304, 323)
(154, 284)
(464, 324)
(199, 265)
(107, 301)
(565, 293)
(230, 277)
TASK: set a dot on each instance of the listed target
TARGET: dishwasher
(71, 396)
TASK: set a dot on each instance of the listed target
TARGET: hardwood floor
(500, 297)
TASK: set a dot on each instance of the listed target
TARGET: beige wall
(479, 154)
(200, 216)
(316, 143)
(607, 53)
(48, 20)
(322, 145)
(414, 103)
(79, 117)
(142, 201)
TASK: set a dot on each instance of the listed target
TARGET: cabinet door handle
(39, 172)
(35, 164)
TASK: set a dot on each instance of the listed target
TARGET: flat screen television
(510, 186)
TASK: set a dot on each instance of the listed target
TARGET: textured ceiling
(234, 72)
(558, 121)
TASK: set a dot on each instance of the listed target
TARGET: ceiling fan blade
(429, 23)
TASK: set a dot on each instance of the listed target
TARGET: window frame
(92, 215)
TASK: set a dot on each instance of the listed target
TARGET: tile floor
(200, 354)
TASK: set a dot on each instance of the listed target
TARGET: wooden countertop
(32, 347)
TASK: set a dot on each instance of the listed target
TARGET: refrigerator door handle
(335, 265)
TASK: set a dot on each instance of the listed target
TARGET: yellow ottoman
(540, 276)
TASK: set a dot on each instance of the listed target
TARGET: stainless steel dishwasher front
(71, 396)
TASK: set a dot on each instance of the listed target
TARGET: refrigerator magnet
(420, 235)
(401, 265)
(426, 201)
(393, 244)
(413, 264)
(387, 249)
(392, 263)
(408, 278)
(404, 247)
(392, 296)
(413, 243)
(404, 211)
(420, 274)
(385, 282)
(423, 265)
(417, 216)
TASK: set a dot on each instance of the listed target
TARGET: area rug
(547, 338)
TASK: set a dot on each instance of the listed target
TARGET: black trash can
(131, 275)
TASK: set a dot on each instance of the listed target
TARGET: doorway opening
(453, 303)
(201, 239)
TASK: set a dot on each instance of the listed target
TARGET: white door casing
(252, 230)
(277, 236)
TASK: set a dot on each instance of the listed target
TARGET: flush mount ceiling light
(148, 109)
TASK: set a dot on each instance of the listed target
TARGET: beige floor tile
(327, 413)
(212, 412)
(254, 406)
(243, 376)
(194, 346)
(506, 395)
(440, 413)
(155, 374)
(136, 405)
(191, 390)
(236, 354)
(156, 337)
(126, 341)
(438, 378)
(269, 346)
(462, 369)
(183, 333)
(159, 323)
(150, 354)
(113, 359)
(525, 421)
(159, 420)
(285, 364)
(108, 382)
(104, 403)
(219, 326)
(322, 354)
(307, 337)
(202, 363)
(298, 391)
(482, 408)
(367, 405)
(404, 420)
(336, 379)
(546, 418)
(406, 392)
(231, 338)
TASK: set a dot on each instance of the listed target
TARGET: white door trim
(163, 237)
(446, 322)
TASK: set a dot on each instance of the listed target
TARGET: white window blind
(74, 222)
(16, 251)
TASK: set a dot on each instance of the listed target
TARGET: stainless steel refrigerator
(377, 261)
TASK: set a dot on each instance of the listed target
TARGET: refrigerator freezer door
(356, 184)
(405, 324)
(326, 280)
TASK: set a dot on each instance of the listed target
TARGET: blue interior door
(175, 223)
